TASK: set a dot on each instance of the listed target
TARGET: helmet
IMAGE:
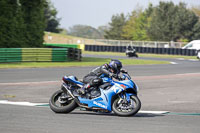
(115, 65)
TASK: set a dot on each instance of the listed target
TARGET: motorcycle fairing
(105, 99)
(73, 79)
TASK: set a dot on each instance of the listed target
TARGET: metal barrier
(10, 55)
(75, 54)
(39, 54)
(74, 50)
(170, 51)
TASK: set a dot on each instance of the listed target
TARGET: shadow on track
(112, 114)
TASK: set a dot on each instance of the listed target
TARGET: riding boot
(84, 89)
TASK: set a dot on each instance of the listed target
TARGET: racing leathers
(93, 78)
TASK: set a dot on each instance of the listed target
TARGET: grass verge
(141, 55)
(86, 61)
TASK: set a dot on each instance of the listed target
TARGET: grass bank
(86, 61)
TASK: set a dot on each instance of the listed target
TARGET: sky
(99, 12)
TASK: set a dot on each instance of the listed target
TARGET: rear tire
(133, 111)
(67, 106)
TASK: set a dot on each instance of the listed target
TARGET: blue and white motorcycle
(117, 96)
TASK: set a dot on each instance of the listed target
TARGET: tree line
(23, 22)
(164, 22)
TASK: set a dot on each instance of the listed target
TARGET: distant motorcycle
(117, 96)
(130, 52)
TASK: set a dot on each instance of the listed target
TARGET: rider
(93, 78)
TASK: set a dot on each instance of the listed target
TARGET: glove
(123, 71)
(115, 76)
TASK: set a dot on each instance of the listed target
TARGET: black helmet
(115, 65)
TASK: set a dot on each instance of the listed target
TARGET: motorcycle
(118, 96)
(130, 52)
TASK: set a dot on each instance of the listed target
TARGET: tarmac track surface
(20, 119)
(173, 88)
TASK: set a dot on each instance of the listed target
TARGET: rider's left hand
(115, 76)
(123, 71)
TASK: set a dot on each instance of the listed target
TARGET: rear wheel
(61, 102)
(122, 108)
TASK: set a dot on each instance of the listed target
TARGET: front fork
(66, 90)
(125, 97)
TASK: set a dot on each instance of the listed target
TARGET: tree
(85, 31)
(128, 28)
(161, 26)
(11, 24)
(116, 27)
(22, 23)
(172, 22)
(52, 22)
(33, 12)
(136, 26)
(102, 30)
(196, 32)
(140, 27)
(196, 10)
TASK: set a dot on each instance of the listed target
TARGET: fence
(152, 44)
(39, 54)
(170, 51)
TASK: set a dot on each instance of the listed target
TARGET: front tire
(126, 110)
(59, 105)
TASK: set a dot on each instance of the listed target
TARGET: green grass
(141, 55)
(167, 56)
(62, 35)
(86, 61)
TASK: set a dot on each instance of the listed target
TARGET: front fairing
(107, 79)
(104, 101)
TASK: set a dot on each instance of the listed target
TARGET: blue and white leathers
(104, 101)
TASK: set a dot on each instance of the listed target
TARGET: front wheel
(122, 108)
(61, 102)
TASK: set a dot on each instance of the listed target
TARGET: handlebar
(124, 76)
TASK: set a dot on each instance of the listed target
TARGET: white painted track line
(153, 112)
(41, 104)
(21, 103)
(173, 63)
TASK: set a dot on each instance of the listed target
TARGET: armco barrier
(62, 45)
(74, 54)
(38, 54)
(60, 54)
(74, 50)
(78, 46)
(10, 54)
(170, 51)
